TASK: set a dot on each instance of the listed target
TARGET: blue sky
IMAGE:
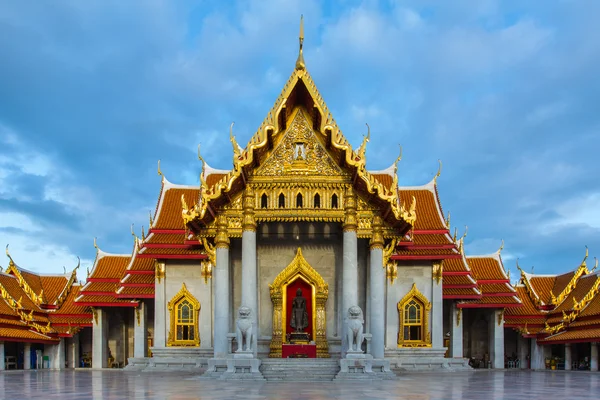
(506, 94)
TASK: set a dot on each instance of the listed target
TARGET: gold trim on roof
(581, 270)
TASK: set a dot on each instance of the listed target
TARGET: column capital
(248, 222)
(222, 240)
(350, 221)
(377, 238)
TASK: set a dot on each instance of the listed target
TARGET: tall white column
(160, 306)
(27, 356)
(456, 336)
(537, 355)
(221, 282)
(140, 331)
(496, 338)
(2, 355)
(594, 357)
(249, 273)
(73, 351)
(523, 351)
(100, 339)
(377, 290)
(57, 355)
(568, 356)
(349, 264)
(437, 307)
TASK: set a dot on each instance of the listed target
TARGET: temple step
(299, 370)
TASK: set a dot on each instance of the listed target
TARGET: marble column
(57, 355)
(568, 356)
(100, 339)
(537, 355)
(140, 331)
(73, 349)
(456, 335)
(249, 272)
(221, 282)
(27, 356)
(496, 338)
(377, 290)
(349, 264)
(2, 355)
(523, 351)
(594, 357)
(437, 307)
(160, 306)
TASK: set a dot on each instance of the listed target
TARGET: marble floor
(118, 384)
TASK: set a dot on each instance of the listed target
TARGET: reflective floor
(117, 384)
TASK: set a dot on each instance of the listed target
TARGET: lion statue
(244, 329)
(355, 329)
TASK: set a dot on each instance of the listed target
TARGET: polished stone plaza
(118, 384)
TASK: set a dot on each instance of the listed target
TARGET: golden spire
(159, 171)
(439, 171)
(448, 220)
(151, 220)
(11, 262)
(300, 61)
(501, 247)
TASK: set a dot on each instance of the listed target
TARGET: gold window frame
(425, 341)
(182, 295)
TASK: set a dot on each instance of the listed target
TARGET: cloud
(94, 93)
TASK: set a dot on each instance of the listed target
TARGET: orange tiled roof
(166, 238)
(135, 291)
(169, 251)
(425, 252)
(33, 280)
(457, 279)
(213, 178)
(486, 268)
(138, 278)
(459, 292)
(168, 209)
(561, 282)
(431, 239)
(25, 334)
(142, 264)
(543, 286)
(109, 266)
(528, 308)
(456, 265)
(11, 285)
(100, 287)
(385, 179)
(69, 306)
(101, 299)
(495, 288)
(428, 216)
(584, 285)
(53, 286)
(579, 334)
(497, 300)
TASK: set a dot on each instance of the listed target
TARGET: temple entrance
(299, 295)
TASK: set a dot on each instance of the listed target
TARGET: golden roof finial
(448, 220)
(159, 171)
(455, 234)
(64, 270)
(501, 247)
(150, 217)
(133, 233)
(78, 263)
(439, 171)
(203, 163)
(143, 233)
(362, 150)
(234, 143)
(10, 262)
(300, 61)
(587, 253)
(466, 230)
(595, 264)
(96, 246)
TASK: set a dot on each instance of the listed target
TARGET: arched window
(413, 313)
(317, 202)
(281, 201)
(299, 201)
(264, 201)
(334, 201)
(184, 310)
(413, 318)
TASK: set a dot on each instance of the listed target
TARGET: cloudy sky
(506, 94)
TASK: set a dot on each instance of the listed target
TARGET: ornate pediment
(299, 152)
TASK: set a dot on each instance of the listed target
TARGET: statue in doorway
(244, 332)
(355, 329)
(299, 320)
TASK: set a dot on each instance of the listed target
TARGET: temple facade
(278, 252)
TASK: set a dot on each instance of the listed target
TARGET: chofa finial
(300, 61)
(159, 171)
(439, 171)
(501, 246)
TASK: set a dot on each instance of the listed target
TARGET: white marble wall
(188, 272)
(420, 274)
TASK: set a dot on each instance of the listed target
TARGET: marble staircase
(299, 369)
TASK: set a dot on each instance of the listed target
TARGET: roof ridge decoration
(392, 169)
(581, 270)
(38, 299)
(352, 158)
(530, 290)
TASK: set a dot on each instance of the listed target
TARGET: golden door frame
(299, 268)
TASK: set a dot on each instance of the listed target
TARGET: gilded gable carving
(299, 153)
